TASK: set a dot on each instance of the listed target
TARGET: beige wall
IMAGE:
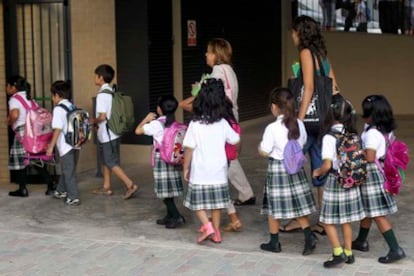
(365, 64)
(93, 43)
(4, 155)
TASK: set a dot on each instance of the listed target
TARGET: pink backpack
(395, 162)
(38, 128)
(171, 148)
(231, 150)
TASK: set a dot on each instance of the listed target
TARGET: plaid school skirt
(207, 196)
(376, 201)
(17, 152)
(340, 205)
(286, 196)
(167, 178)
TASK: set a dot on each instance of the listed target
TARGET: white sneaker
(73, 202)
(60, 195)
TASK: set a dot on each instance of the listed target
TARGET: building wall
(4, 155)
(93, 43)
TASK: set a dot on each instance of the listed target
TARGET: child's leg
(107, 178)
(310, 238)
(361, 243)
(347, 233)
(21, 180)
(338, 255)
(215, 218)
(129, 184)
(396, 252)
(175, 217)
(68, 164)
(273, 245)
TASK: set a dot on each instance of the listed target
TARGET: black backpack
(352, 163)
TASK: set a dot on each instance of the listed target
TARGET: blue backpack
(293, 157)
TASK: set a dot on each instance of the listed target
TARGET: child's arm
(187, 104)
(101, 117)
(188, 155)
(13, 116)
(370, 155)
(324, 169)
(150, 117)
(52, 144)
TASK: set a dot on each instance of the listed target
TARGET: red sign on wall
(191, 33)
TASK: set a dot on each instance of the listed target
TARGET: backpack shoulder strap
(64, 107)
(108, 91)
(23, 102)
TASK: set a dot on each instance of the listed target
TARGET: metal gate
(41, 45)
(37, 45)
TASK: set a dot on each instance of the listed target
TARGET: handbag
(321, 97)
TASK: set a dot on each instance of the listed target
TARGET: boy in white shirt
(67, 188)
(108, 140)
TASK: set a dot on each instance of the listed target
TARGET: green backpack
(122, 114)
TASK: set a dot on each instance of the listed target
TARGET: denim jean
(313, 148)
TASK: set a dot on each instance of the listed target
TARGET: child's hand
(150, 117)
(316, 173)
(49, 150)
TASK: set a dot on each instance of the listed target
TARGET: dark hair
(222, 49)
(210, 104)
(309, 34)
(342, 111)
(21, 84)
(284, 99)
(61, 88)
(380, 111)
(106, 72)
(168, 105)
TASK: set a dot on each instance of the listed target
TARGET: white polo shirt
(374, 140)
(155, 129)
(275, 138)
(104, 105)
(60, 121)
(329, 150)
(209, 161)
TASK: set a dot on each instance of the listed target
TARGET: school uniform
(110, 142)
(17, 152)
(68, 155)
(208, 188)
(376, 201)
(167, 178)
(284, 196)
(339, 205)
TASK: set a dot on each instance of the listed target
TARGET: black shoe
(268, 247)
(250, 201)
(20, 193)
(361, 246)
(173, 223)
(350, 259)
(310, 244)
(335, 260)
(392, 256)
(163, 221)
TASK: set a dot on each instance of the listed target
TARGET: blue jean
(313, 148)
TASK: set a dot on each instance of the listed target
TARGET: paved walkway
(40, 235)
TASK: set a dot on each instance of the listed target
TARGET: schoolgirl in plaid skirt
(339, 205)
(16, 118)
(19, 89)
(167, 178)
(205, 161)
(378, 203)
(286, 196)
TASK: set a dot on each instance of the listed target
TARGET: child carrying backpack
(378, 203)
(167, 155)
(341, 202)
(67, 188)
(287, 194)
